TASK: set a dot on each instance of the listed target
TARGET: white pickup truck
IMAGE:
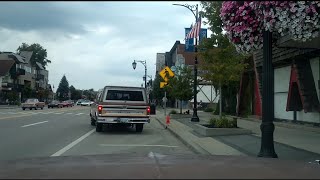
(120, 105)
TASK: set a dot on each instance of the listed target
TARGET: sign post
(164, 73)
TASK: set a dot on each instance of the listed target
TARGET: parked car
(71, 103)
(86, 103)
(54, 103)
(32, 103)
(65, 104)
(79, 102)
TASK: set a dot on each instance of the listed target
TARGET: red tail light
(148, 110)
(100, 109)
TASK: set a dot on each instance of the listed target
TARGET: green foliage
(173, 112)
(209, 109)
(90, 94)
(27, 92)
(63, 89)
(39, 53)
(180, 86)
(12, 96)
(75, 93)
(157, 92)
(223, 123)
(220, 60)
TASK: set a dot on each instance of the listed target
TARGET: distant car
(79, 102)
(54, 103)
(86, 103)
(71, 103)
(32, 103)
(65, 104)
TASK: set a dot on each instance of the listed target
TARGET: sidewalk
(291, 142)
(200, 145)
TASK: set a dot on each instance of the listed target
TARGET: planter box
(205, 131)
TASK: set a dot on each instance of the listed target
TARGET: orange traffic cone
(167, 121)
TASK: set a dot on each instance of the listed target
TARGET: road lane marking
(69, 113)
(16, 116)
(79, 114)
(59, 113)
(34, 124)
(138, 145)
(69, 146)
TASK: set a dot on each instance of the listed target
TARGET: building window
(28, 69)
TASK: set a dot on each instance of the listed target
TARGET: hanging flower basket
(244, 21)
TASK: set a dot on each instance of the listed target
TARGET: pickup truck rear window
(124, 95)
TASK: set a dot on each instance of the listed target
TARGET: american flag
(195, 31)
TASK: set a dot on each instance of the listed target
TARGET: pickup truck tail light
(99, 109)
(148, 110)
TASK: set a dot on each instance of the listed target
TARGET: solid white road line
(69, 146)
(69, 113)
(79, 114)
(34, 124)
(137, 145)
(59, 113)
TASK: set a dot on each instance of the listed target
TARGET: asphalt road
(67, 132)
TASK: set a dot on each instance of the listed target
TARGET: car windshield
(116, 83)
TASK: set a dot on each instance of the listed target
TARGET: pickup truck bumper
(127, 120)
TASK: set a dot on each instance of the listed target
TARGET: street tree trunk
(180, 106)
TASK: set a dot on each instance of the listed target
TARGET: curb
(186, 143)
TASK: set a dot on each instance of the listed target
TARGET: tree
(157, 92)
(39, 53)
(63, 89)
(221, 62)
(75, 93)
(181, 85)
(27, 92)
(90, 94)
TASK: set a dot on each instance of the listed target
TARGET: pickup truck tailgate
(123, 111)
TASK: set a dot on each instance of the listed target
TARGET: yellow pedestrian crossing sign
(164, 72)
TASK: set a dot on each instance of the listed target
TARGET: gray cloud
(94, 43)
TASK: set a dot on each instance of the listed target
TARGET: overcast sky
(95, 43)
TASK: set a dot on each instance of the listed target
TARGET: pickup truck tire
(41, 108)
(93, 123)
(98, 127)
(139, 127)
(24, 109)
(30, 108)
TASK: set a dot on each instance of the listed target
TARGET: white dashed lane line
(34, 124)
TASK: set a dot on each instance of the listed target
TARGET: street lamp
(195, 11)
(134, 65)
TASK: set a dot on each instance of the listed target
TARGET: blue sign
(189, 45)
(203, 34)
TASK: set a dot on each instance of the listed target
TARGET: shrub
(208, 109)
(173, 112)
(222, 123)
(212, 121)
